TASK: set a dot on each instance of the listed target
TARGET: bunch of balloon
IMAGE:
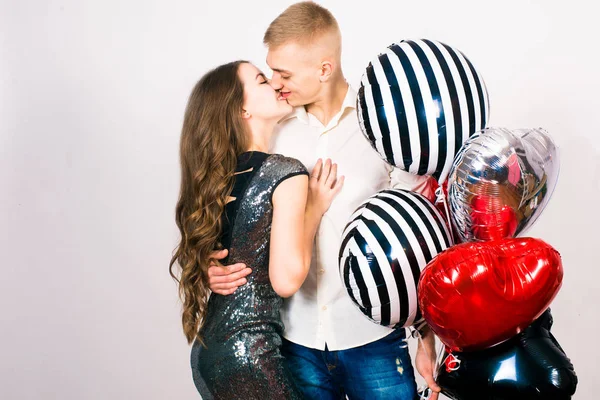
(419, 101)
(499, 184)
(424, 108)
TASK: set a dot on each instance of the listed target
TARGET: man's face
(296, 73)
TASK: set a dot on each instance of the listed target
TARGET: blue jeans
(376, 371)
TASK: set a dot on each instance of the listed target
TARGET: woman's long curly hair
(212, 137)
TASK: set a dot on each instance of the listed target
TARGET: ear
(326, 71)
(246, 114)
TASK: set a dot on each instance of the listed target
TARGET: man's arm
(425, 360)
(225, 280)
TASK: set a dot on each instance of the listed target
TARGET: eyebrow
(262, 75)
(281, 71)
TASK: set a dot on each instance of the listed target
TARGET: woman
(258, 206)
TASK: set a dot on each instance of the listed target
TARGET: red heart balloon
(478, 294)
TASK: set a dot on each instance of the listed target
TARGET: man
(332, 349)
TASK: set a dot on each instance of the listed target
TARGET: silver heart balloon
(500, 182)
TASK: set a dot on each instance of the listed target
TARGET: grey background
(92, 95)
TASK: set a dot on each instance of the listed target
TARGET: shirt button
(321, 271)
(324, 308)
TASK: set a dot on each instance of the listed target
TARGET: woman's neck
(258, 147)
(261, 136)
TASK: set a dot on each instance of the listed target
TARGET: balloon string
(440, 197)
(438, 362)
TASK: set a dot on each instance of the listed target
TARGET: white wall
(92, 95)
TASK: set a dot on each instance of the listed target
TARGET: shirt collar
(301, 113)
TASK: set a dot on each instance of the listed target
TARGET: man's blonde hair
(300, 23)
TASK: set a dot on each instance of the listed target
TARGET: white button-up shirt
(321, 312)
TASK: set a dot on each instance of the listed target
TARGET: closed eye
(263, 77)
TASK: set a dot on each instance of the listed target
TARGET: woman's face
(261, 101)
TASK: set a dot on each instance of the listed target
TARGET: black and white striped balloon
(418, 102)
(387, 243)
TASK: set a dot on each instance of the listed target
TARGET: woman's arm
(298, 207)
(287, 261)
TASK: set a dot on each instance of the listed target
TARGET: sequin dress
(242, 332)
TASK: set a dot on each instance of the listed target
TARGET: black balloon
(532, 365)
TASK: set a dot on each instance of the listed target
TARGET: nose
(275, 82)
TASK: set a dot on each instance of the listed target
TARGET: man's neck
(330, 103)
